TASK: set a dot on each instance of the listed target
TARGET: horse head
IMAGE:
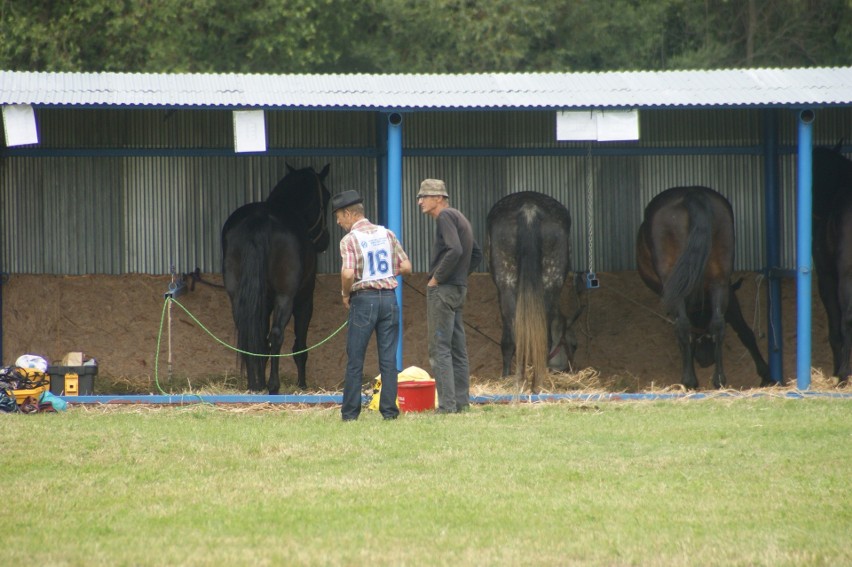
(563, 342)
(302, 192)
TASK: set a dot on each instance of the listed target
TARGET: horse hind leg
(734, 317)
(719, 302)
(302, 314)
(844, 368)
(683, 333)
(507, 341)
(717, 331)
(280, 318)
(830, 292)
(254, 362)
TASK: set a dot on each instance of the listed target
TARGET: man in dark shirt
(454, 255)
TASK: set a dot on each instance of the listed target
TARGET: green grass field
(703, 482)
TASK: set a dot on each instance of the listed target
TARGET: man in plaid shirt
(371, 257)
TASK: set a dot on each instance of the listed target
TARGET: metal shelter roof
(827, 86)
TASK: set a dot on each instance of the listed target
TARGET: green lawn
(703, 482)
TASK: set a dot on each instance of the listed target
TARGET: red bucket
(416, 395)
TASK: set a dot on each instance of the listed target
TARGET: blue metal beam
(376, 152)
(804, 221)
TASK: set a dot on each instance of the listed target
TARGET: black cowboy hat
(343, 200)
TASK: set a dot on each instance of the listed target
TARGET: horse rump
(685, 254)
(529, 258)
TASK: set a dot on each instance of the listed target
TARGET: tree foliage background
(420, 36)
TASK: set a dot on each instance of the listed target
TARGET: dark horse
(685, 253)
(529, 257)
(832, 250)
(269, 263)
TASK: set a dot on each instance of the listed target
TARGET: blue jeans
(368, 311)
(448, 346)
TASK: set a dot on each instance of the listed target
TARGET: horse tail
(251, 313)
(687, 276)
(530, 316)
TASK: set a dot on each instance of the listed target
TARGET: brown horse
(529, 257)
(685, 253)
(832, 250)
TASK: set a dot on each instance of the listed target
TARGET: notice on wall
(249, 131)
(19, 125)
(597, 125)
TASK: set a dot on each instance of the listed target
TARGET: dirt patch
(622, 334)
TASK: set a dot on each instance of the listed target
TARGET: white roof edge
(817, 86)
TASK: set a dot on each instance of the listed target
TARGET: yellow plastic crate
(22, 395)
(35, 376)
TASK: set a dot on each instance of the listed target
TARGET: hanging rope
(590, 210)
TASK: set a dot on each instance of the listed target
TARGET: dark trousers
(448, 346)
(369, 311)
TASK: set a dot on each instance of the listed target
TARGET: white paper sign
(249, 131)
(597, 125)
(618, 125)
(576, 125)
(19, 124)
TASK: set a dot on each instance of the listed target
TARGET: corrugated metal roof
(633, 89)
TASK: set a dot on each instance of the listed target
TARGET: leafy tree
(173, 35)
(417, 36)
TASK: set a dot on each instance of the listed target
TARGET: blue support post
(394, 204)
(804, 212)
(773, 245)
(382, 169)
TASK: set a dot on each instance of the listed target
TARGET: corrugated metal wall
(123, 191)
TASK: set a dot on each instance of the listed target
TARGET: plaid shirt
(353, 259)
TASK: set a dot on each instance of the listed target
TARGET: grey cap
(432, 187)
(343, 200)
